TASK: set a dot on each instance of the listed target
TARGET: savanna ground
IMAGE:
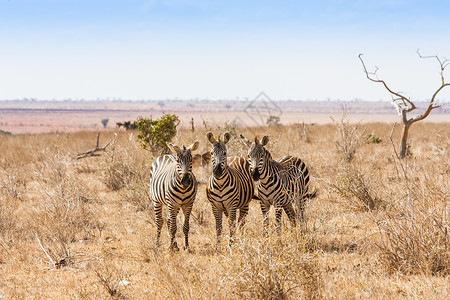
(378, 227)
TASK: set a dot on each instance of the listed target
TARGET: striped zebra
(280, 183)
(172, 183)
(230, 186)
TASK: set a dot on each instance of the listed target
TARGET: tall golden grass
(84, 229)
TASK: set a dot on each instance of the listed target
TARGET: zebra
(230, 186)
(172, 183)
(280, 183)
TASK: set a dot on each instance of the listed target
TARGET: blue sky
(131, 49)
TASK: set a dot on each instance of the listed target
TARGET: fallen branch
(97, 148)
(46, 253)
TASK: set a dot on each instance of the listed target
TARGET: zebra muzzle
(255, 174)
(185, 180)
(218, 170)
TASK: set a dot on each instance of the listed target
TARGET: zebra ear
(210, 137)
(245, 140)
(193, 147)
(173, 148)
(226, 137)
(264, 140)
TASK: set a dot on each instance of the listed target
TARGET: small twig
(3, 246)
(97, 148)
(45, 251)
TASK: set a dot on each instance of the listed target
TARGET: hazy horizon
(211, 100)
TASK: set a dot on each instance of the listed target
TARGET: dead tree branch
(401, 103)
(443, 63)
(404, 105)
(97, 148)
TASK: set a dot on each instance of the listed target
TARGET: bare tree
(404, 105)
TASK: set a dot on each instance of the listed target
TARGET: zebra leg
(278, 214)
(290, 212)
(173, 212)
(265, 207)
(157, 208)
(300, 209)
(232, 222)
(243, 212)
(168, 221)
(218, 216)
(187, 213)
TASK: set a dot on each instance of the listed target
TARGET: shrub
(136, 193)
(273, 267)
(348, 138)
(117, 171)
(65, 215)
(111, 278)
(358, 189)
(372, 139)
(127, 169)
(127, 125)
(273, 120)
(414, 233)
(303, 131)
(155, 134)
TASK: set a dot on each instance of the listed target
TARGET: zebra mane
(267, 152)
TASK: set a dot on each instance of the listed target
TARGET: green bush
(154, 134)
(5, 132)
(127, 125)
(372, 139)
(273, 120)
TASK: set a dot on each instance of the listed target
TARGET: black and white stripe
(173, 184)
(280, 183)
(230, 186)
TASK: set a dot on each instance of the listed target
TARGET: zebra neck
(223, 179)
(176, 178)
(270, 171)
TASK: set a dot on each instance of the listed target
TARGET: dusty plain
(84, 229)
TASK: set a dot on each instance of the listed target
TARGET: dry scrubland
(84, 228)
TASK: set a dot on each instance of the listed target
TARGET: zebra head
(184, 162)
(257, 155)
(218, 153)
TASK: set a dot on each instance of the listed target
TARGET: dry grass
(348, 137)
(359, 189)
(85, 229)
